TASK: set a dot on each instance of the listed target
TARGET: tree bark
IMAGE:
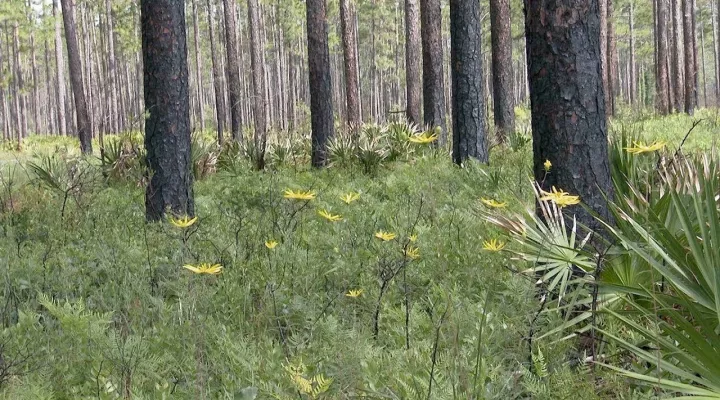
(613, 61)
(258, 75)
(112, 70)
(76, 78)
(19, 87)
(321, 107)
(352, 86)
(662, 81)
(468, 100)
(218, 81)
(433, 59)
(689, 45)
(413, 59)
(633, 63)
(716, 51)
(678, 56)
(502, 71)
(167, 99)
(568, 107)
(607, 90)
(233, 65)
(198, 67)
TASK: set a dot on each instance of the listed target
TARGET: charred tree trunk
(321, 107)
(413, 59)
(76, 78)
(218, 77)
(468, 100)
(433, 59)
(352, 86)
(60, 66)
(258, 75)
(167, 100)
(233, 65)
(678, 58)
(198, 67)
(689, 44)
(502, 71)
(663, 80)
(633, 64)
(568, 107)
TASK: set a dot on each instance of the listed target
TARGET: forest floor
(95, 303)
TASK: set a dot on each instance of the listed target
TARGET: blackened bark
(568, 107)
(633, 64)
(689, 43)
(613, 61)
(678, 57)
(413, 58)
(167, 100)
(258, 75)
(663, 78)
(60, 76)
(217, 77)
(468, 101)
(76, 79)
(502, 70)
(352, 87)
(198, 67)
(233, 65)
(433, 80)
(321, 107)
(605, 68)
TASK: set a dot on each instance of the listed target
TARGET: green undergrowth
(95, 303)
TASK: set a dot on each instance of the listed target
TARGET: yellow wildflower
(183, 222)
(205, 268)
(547, 165)
(330, 217)
(354, 293)
(640, 147)
(413, 237)
(350, 197)
(412, 252)
(271, 244)
(424, 138)
(560, 198)
(492, 203)
(385, 236)
(299, 195)
(493, 245)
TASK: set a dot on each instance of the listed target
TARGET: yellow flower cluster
(204, 269)
(640, 147)
(424, 138)
(299, 195)
(560, 198)
(182, 222)
(493, 245)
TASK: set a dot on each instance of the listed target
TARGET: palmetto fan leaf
(682, 321)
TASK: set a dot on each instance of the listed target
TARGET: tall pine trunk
(568, 109)
(233, 65)
(663, 80)
(468, 100)
(413, 62)
(689, 45)
(321, 107)
(433, 59)
(218, 76)
(502, 71)
(258, 75)
(352, 86)
(76, 77)
(167, 99)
